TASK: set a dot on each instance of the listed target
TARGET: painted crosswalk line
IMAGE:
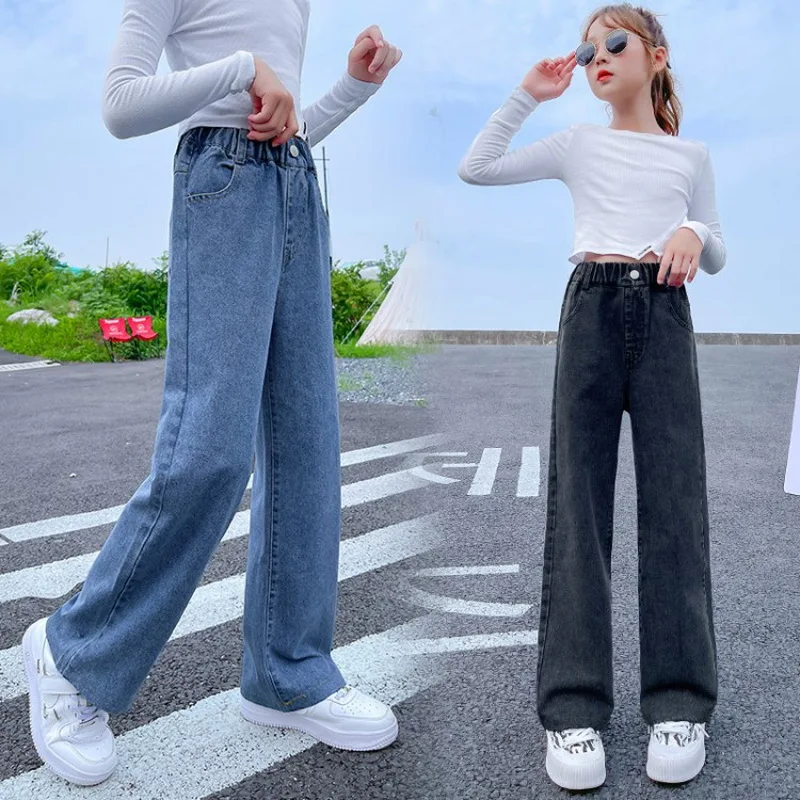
(353, 494)
(223, 601)
(158, 761)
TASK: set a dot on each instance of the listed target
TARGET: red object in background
(142, 328)
(114, 330)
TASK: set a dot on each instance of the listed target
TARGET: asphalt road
(438, 609)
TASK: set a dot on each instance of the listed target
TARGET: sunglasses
(616, 41)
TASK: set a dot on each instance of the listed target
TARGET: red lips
(602, 73)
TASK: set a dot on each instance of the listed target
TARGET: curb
(549, 337)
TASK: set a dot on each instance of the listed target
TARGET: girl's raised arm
(488, 161)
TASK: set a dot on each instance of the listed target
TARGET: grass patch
(398, 352)
(73, 339)
(79, 339)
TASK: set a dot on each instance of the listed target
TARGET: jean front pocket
(572, 301)
(212, 174)
(679, 306)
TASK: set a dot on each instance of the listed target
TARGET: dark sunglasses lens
(616, 42)
(584, 54)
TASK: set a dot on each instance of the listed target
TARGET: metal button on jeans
(635, 274)
(294, 150)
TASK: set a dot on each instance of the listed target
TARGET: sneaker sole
(670, 770)
(587, 776)
(52, 762)
(269, 717)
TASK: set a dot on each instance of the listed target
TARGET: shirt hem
(232, 121)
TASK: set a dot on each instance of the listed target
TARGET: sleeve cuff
(524, 98)
(360, 90)
(246, 71)
(699, 228)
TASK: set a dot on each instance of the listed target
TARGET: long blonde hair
(645, 24)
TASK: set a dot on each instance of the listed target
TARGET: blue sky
(502, 251)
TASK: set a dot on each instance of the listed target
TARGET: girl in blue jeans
(645, 222)
(249, 369)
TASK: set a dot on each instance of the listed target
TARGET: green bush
(33, 271)
(352, 295)
(123, 290)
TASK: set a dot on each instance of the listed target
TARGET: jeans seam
(550, 537)
(272, 514)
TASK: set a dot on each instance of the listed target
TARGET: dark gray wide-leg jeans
(626, 343)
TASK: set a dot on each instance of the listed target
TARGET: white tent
(792, 482)
(402, 313)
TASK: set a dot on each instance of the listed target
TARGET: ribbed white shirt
(631, 191)
(210, 46)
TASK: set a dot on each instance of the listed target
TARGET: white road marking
(365, 454)
(56, 525)
(457, 605)
(27, 365)
(490, 569)
(391, 449)
(223, 601)
(381, 486)
(431, 477)
(480, 641)
(528, 483)
(483, 481)
(56, 578)
(374, 488)
(159, 760)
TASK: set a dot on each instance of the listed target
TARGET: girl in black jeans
(645, 222)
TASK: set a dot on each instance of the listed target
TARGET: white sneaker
(676, 752)
(348, 719)
(576, 758)
(71, 735)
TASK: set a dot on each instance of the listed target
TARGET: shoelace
(662, 730)
(576, 736)
(343, 692)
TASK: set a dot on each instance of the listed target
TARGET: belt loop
(241, 145)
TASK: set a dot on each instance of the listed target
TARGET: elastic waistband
(618, 273)
(294, 153)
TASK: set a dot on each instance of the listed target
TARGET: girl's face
(630, 70)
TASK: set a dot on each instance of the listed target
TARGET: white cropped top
(631, 191)
(210, 46)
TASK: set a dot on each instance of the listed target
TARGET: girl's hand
(550, 77)
(683, 253)
(372, 57)
(273, 116)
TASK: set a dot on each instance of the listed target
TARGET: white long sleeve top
(631, 191)
(210, 46)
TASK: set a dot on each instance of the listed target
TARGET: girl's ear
(659, 58)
